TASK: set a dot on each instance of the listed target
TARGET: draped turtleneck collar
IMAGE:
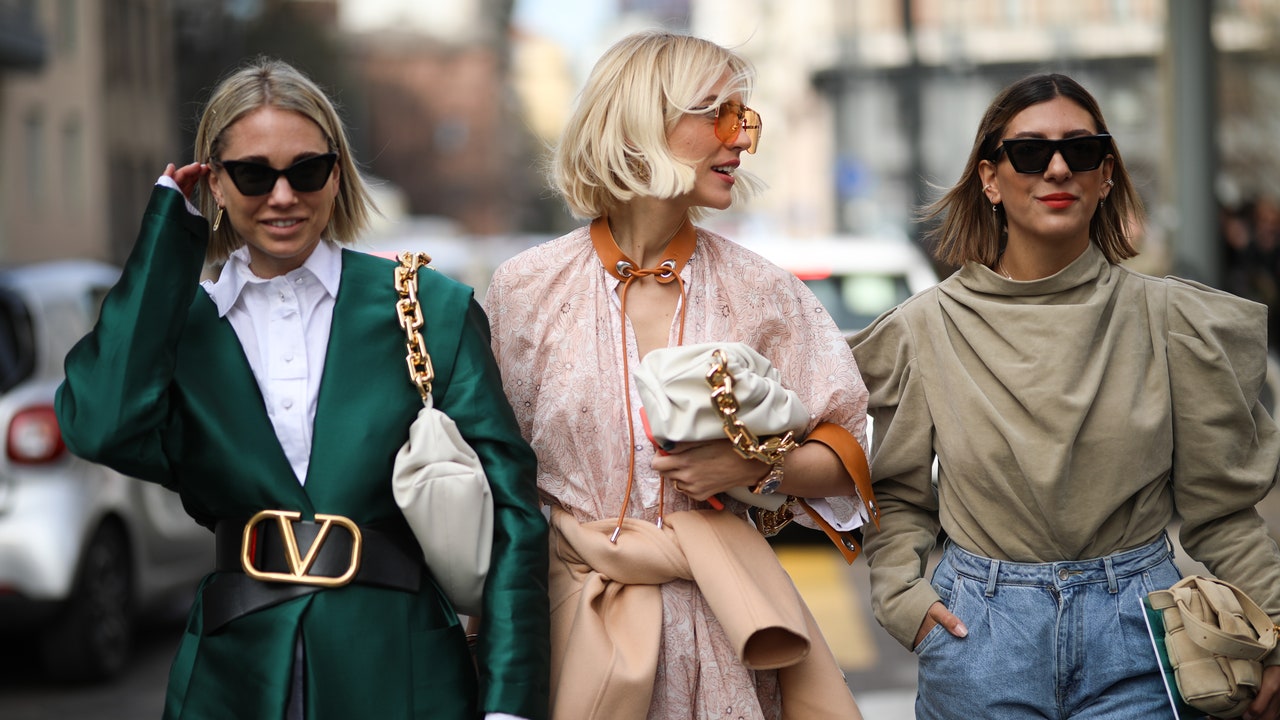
(979, 278)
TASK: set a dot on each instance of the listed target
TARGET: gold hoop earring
(217, 219)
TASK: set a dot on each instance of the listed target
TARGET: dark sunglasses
(254, 178)
(731, 118)
(1033, 155)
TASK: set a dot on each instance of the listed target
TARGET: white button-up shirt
(283, 325)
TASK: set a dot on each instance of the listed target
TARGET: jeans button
(1062, 574)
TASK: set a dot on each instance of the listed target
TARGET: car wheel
(92, 637)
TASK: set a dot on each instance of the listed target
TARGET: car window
(857, 299)
(17, 341)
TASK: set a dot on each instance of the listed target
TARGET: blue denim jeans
(1046, 640)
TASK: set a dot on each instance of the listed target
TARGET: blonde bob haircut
(970, 231)
(614, 147)
(270, 82)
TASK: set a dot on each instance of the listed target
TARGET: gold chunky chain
(745, 442)
(421, 374)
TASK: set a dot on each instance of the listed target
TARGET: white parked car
(856, 278)
(83, 550)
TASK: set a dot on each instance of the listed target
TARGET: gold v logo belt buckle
(300, 565)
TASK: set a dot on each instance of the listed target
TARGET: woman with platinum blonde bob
(274, 398)
(1073, 407)
(644, 623)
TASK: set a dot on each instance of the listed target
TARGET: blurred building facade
(440, 116)
(83, 135)
(870, 107)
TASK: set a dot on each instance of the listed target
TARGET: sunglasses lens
(1029, 156)
(1084, 154)
(734, 117)
(252, 178)
(312, 174)
(727, 118)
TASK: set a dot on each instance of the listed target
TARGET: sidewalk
(891, 705)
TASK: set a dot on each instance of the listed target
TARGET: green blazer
(161, 390)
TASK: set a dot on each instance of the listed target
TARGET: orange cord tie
(678, 252)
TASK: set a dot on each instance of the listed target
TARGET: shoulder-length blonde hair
(614, 147)
(970, 231)
(267, 81)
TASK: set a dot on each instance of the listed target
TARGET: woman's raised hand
(187, 177)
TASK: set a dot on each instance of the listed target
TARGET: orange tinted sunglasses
(731, 118)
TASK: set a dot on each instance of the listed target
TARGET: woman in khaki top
(1073, 407)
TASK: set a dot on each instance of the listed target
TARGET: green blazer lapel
(219, 384)
(366, 402)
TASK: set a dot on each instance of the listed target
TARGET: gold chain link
(421, 374)
(745, 442)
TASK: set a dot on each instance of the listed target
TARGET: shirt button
(288, 357)
(288, 403)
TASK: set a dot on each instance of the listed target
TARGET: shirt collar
(324, 264)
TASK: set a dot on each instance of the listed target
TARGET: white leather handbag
(437, 479)
(680, 406)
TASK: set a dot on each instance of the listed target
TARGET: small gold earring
(217, 219)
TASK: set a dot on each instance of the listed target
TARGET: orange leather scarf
(617, 264)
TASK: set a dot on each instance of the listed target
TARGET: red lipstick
(1058, 201)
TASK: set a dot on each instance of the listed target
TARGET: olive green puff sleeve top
(1072, 417)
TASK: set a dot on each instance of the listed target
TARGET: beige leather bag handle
(1217, 595)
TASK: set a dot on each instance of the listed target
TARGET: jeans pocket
(929, 639)
(947, 584)
(944, 581)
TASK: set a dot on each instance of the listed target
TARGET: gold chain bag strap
(1215, 639)
(437, 479)
(770, 520)
(772, 451)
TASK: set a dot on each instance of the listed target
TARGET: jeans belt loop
(993, 575)
(1112, 585)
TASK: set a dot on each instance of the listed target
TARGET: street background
(868, 106)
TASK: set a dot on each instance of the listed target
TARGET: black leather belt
(275, 556)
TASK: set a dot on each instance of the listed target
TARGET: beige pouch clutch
(1216, 638)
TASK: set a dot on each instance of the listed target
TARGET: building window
(36, 157)
(68, 32)
(73, 170)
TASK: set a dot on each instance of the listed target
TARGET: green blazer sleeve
(114, 401)
(514, 648)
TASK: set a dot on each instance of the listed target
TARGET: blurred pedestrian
(280, 386)
(1074, 407)
(656, 141)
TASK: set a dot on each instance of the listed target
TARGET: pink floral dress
(557, 335)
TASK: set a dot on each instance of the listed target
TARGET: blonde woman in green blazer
(281, 386)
